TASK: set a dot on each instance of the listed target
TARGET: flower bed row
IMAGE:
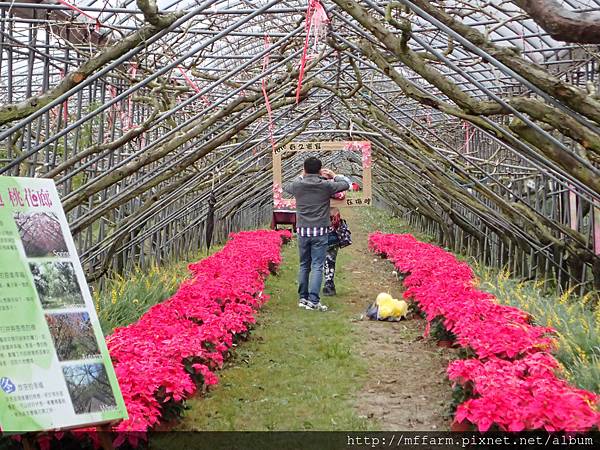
(177, 345)
(512, 382)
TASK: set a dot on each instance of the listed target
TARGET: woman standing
(339, 237)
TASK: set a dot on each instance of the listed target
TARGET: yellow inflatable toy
(387, 308)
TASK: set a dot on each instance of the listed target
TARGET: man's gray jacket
(312, 194)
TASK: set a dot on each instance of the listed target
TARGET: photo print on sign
(56, 284)
(73, 336)
(41, 234)
(89, 388)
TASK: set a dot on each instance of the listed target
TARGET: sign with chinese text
(55, 370)
(361, 195)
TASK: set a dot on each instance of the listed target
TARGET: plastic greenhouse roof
(501, 19)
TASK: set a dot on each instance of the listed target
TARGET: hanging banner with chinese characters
(55, 370)
(353, 155)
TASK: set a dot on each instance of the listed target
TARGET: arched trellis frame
(485, 129)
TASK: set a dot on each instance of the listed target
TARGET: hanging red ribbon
(65, 105)
(118, 107)
(469, 133)
(266, 95)
(132, 73)
(193, 85)
(83, 13)
(188, 79)
(572, 207)
(316, 19)
(111, 111)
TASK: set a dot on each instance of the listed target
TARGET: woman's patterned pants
(329, 268)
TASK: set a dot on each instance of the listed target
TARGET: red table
(283, 217)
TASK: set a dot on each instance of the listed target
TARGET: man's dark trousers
(312, 251)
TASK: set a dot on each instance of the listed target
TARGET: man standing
(313, 191)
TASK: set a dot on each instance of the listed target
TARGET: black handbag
(333, 239)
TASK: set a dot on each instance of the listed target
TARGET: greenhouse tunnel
(484, 118)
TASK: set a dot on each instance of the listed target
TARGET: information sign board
(55, 369)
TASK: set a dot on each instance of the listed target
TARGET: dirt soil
(407, 388)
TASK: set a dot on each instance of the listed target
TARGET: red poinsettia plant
(196, 325)
(513, 380)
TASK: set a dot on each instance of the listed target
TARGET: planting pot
(273, 268)
(445, 343)
(448, 343)
(465, 425)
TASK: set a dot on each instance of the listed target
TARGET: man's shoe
(303, 303)
(328, 291)
(316, 306)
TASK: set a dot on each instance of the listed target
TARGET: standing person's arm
(290, 186)
(340, 183)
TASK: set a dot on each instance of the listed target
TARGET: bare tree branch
(561, 23)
